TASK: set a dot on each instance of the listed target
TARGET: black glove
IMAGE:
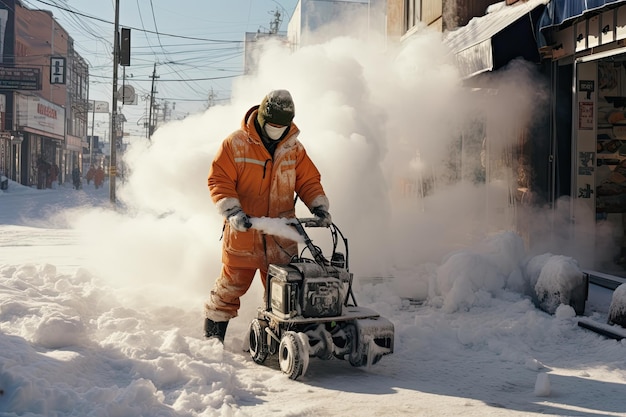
(238, 219)
(324, 219)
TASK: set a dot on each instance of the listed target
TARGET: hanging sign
(96, 106)
(57, 70)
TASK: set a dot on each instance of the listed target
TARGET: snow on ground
(74, 344)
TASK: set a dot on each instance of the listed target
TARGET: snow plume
(373, 120)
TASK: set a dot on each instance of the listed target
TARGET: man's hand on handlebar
(323, 216)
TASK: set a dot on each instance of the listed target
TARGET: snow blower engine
(310, 311)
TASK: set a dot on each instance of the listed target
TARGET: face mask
(274, 133)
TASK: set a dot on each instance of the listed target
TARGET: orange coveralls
(243, 169)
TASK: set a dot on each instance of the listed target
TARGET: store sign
(40, 114)
(20, 78)
(96, 106)
(587, 86)
(586, 116)
(57, 70)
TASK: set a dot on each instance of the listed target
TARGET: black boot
(215, 329)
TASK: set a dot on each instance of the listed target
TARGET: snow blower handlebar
(299, 224)
(337, 259)
(308, 221)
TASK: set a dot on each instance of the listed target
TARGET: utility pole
(93, 125)
(210, 99)
(151, 126)
(113, 139)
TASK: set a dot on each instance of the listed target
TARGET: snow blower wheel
(291, 355)
(258, 341)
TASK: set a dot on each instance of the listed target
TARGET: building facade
(317, 21)
(585, 48)
(571, 155)
(405, 17)
(45, 87)
(491, 148)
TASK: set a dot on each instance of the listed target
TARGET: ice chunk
(542, 385)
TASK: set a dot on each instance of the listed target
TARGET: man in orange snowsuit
(98, 177)
(90, 174)
(257, 172)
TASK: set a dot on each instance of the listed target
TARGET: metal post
(93, 123)
(113, 139)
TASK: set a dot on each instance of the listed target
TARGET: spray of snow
(276, 227)
(371, 118)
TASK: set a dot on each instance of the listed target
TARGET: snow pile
(66, 329)
(555, 280)
(617, 310)
(472, 277)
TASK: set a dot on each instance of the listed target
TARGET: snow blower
(310, 311)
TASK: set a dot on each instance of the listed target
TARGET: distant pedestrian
(54, 173)
(43, 172)
(98, 178)
(76, 178)
(90, 174)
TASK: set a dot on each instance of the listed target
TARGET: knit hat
(277, 107)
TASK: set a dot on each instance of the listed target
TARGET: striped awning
(560, 12)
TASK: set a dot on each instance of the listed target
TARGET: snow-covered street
(75, 344)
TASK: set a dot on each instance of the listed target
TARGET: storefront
(587, 46)
(507, 150)
(41, 124)
(5, 141)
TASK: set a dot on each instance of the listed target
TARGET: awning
(559, 12)
(490, 42)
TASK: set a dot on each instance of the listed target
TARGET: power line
(176, 79)
(138, 29)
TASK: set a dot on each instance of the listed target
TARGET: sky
(200, 42)
(101, 303)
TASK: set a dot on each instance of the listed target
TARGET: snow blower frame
(310, 311)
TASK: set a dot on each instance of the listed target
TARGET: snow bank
(617, 310)
(556, 280)
(471, 277)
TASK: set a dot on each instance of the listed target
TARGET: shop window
(412, 13)
(610, 169)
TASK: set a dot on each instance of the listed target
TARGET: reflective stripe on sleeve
(251, 161)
